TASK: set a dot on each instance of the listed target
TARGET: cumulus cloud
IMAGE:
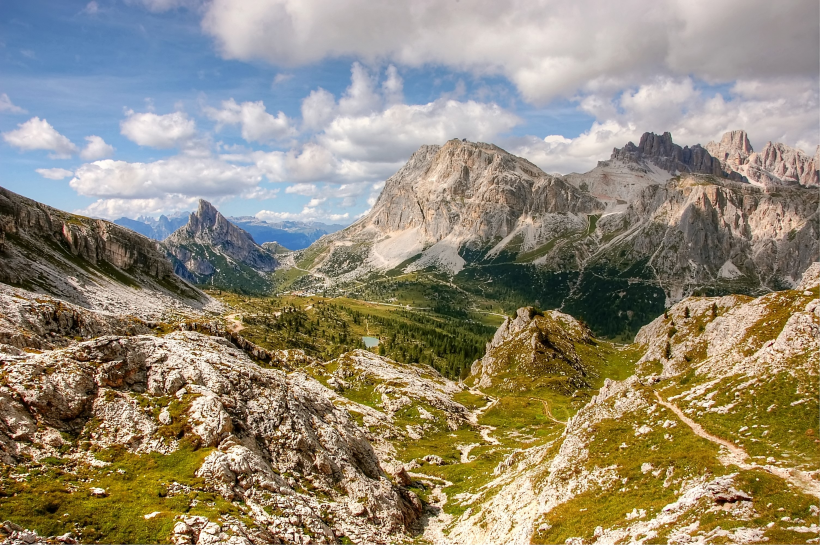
(134, 208)
(96, 149)
(7, 106)
(38, 134)
(370, 123)
(180, 174)
(308, 213)
(257, 124)
(54, 173)
(158, 131)
(394, 133)
(783, 111)
(547, 48)
(318, 109)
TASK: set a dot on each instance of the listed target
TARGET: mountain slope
(713, 439)
(209, 249)
(92, 263)
(651, 225)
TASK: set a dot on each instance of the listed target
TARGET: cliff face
(675, 217)
(209, 249)
(669, 156)
(87, 261)
(694, 233)
(776, 165)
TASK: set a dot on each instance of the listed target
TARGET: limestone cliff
(675, 218)
(209, 249)
(91, 262)
(776, 165)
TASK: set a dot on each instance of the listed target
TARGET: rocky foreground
(120, 429)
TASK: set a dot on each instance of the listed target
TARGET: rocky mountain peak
(775, 165)
(208, 224)
(733, 144)
(663, 152)
(200, 248)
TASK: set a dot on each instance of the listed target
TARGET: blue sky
(290, 109)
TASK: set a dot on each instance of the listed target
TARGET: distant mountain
(777, 165)
(89, 262)
(295, 235)
(209, 249)
(155, 228)
(614, 246)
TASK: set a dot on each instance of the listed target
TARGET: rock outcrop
(699, 429)
(538, 349)
(90, 262)
(776, 165)
(209, 249)
(276, 440)
(660, 150)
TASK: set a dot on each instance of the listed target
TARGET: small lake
(370, 342)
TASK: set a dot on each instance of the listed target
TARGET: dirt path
(700, 432)
(548, 412)
(738, 456)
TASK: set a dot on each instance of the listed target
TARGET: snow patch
(729, 270)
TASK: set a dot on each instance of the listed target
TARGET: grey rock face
(695, 234)
(208, 232)
(660, 150)
(263, 424)
(470, 201)
(90, 262)
(776, 165)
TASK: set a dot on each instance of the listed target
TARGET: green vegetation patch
(55, 498)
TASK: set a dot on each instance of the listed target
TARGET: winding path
(738, 456)
(548, 411)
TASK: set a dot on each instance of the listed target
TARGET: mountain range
(616, 245)
(294, 235)
(135, 408)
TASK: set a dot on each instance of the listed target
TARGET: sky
(301, 109)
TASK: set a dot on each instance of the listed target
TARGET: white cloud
(38, 134)
(318, 109)
(92, 8)
(306, 190)
(360, 97)
(134, 208)
(257, 124)
(158, 131)
(371, 125)
(260, 193)
(778, 111)
(96, 149)
(6, 105)
(547, 48)
(307, 214)
(180, 174)
(393, 86)
(393, 134)
(281, 77)
(54, 173)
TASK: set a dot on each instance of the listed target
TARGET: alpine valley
(492, 354)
